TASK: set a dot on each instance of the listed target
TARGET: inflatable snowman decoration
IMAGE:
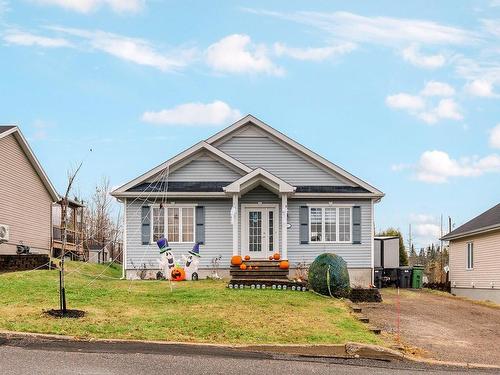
(191, 263)
(167, 260)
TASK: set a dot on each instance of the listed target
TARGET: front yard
(203, 311)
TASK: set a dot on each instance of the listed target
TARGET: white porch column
(234, 220)
(284, 226)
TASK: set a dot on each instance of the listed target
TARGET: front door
(260, 232)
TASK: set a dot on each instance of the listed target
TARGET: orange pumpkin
(243, 266)
(284, 265)
(247, 257)
(249, 268)
(236, 260)
(178, 274)
(276, 256)
(270, 257)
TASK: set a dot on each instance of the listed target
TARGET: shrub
(328, 275)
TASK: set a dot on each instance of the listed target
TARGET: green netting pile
(328, 275)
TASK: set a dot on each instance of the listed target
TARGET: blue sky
(404, 95)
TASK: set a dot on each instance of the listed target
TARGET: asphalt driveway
(440, 326)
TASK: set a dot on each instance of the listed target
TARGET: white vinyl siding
(356, 255)
(218, 235)
(330, 224)
(470, 256)
(203, 168)
(263, 152)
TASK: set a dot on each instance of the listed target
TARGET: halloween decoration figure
(178, 274)
(191, 263)
(236, 260)
(167, 261)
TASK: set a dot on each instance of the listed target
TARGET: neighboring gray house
(474, 257)
(249, 190)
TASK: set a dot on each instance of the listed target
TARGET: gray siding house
(249, 190)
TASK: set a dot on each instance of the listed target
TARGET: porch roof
(258, 177)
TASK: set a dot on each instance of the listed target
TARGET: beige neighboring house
(475, 257)
(26, 196)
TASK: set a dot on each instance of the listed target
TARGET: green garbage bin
(417, 274)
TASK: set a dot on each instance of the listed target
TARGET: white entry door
(260, 232)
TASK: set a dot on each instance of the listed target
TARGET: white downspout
(284, 226)
(234, 220)
(124, 262)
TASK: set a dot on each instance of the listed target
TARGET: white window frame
(469, 256)
(165, 224)
(337, 225)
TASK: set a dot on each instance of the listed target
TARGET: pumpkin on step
(284, 265)
(276, 256)
(250, 268)
(256, 268)
(236, 260)
(270, 257)
(243, 266)
(247, 257)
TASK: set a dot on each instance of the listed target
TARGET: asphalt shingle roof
(489, 218)
(4, 128)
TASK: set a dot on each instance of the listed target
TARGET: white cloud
(405, 101)
(413, 56)
(27, 39)
(437, 166)
(194, 114)
(314, 54)
(416, 105)
(138, 51)
(435, 88)
(379, 30)
(495, 137)
(87, 6)
(492, 26)
(448, 109)
(238, 54)
(480, 87)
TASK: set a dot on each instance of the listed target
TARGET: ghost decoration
(167, 260)
(191, 263)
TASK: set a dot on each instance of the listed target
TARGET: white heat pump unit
(4, 233)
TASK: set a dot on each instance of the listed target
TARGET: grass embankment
(203, 311)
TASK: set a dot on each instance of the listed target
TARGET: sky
(405, 95)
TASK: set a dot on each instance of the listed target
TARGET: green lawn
(203, 311)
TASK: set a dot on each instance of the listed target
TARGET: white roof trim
(297, 146)
(16, 132)
(259, 175)
(178, 159)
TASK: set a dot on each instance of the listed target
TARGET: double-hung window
(470, 255)
(330, 224)
(175, 223)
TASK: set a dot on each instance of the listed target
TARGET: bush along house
(248, 190)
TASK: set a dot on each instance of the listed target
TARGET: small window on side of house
(470, 255)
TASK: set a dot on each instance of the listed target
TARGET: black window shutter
(356, 225)
(200, 225)
(146, 224)
(304, 224)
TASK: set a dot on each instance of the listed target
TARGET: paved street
(28, 360)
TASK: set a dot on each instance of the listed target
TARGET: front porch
(259, 215)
